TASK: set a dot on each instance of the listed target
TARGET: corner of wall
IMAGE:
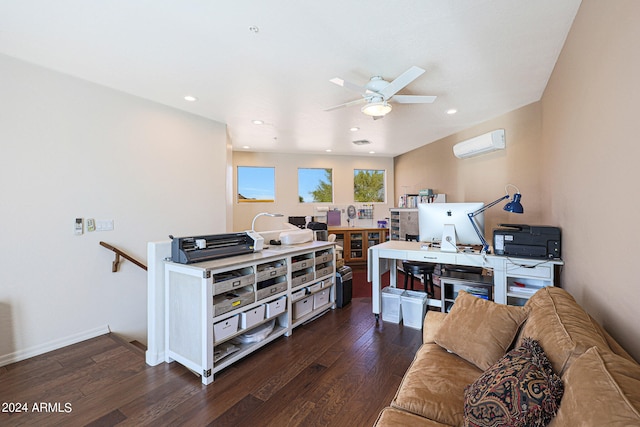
(229, 183)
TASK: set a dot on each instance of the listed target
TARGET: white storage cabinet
(211, 304)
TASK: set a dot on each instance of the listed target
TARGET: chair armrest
(432, 322)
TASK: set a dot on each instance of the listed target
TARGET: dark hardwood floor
(339, 370)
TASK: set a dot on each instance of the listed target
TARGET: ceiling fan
(377, 93)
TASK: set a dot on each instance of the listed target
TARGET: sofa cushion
(601, 388)
(478, 330)
(432, 322)
(561, 326)
(397, 418)
(521, 390)
(433, 386)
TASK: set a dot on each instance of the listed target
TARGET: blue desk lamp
(513, 206)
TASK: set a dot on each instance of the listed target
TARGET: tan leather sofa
(600, 380)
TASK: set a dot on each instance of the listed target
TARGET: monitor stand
(448, 243)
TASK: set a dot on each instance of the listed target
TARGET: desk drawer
(391, 254)
(428, 256)
(524, 270)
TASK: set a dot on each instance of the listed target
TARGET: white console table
(508, 273)
(210, 305)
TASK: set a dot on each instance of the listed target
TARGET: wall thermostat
(78, 226)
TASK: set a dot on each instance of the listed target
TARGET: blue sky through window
(308, 181)
(256, 183)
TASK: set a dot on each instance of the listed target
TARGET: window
(256, 184)
(315, 185)
(368, 185)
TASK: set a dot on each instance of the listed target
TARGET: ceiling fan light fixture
(376, 109)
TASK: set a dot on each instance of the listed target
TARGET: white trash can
(391, 307)
(414, 308)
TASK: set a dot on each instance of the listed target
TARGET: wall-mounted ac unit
(491, 141)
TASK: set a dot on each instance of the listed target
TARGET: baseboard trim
(37, 350)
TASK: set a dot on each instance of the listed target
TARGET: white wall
(75, 149)
(286, 175)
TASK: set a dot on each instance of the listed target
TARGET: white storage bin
(272, 289)
(232, 300)
(315, 287)
(271, 270)
(414, 308)
(298, 295)
(302, 307)
(300, 262)
(258, 334)
(391, 308)
(300, 278)
(252, 317)
(276, 307)
(229, 280)
(324, 270)
(321, 298)
(225, 328)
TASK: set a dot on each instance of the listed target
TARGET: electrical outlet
(104, 225)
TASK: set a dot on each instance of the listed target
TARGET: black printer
(527, 241)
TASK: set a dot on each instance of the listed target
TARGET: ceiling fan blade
(414, 99)
(346, 104)
(351, 86)
(401, 81)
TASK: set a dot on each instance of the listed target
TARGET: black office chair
(418, 268)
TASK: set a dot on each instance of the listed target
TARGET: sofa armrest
(432, 322)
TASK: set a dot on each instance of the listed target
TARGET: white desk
(535, 272)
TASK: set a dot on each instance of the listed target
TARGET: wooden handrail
(119, 253)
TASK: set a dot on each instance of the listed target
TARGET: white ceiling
(482, 57)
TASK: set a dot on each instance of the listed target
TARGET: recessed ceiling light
(190, 98)
(452, 111)
(354, 129)
(257, 122)
(246, 147)
(372, 152)
(328, 150)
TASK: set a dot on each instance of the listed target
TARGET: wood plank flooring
(339, 370)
